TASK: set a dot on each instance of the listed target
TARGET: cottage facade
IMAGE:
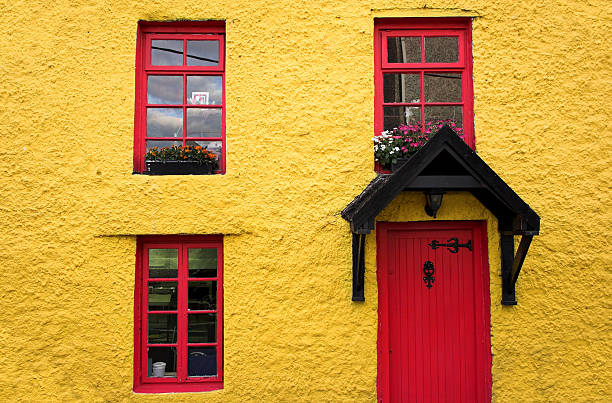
(242, 282)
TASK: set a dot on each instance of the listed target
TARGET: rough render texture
(299, 123)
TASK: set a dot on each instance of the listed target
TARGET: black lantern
(433, 202)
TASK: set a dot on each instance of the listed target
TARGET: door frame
(481, 266)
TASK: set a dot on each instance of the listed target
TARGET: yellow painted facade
(299, 122)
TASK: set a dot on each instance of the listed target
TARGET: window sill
(178, 174)
(178, 388)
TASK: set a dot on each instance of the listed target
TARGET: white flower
(382, 147)
(391, 152)
(396, 148)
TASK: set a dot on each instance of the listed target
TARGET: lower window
(178, 314)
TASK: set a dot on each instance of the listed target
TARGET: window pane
(162, 143)
(202, 295)
(163, 296)
(163, 361)
(213, 146)
(201, 328)
(164, 122)
(167, 90)
(162, 328)
(441, 49)
(404, 49)
(202, 53)
(204, 90)
(395, 116)
(442, 87)
(202, 361)
(454, 113)
(202, 262)
(204, 122)
(163, 263)
(402, 87)
(167, 53)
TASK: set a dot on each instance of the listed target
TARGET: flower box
(178, 168)
(180, 160)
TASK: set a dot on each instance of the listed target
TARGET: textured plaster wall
(299, 123)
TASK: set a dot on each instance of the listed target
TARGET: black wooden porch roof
(445, 163)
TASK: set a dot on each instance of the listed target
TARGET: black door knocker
(428, 270)
(452, 247)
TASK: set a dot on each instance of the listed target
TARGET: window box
(178, 168)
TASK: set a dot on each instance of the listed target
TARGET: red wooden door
(433, 341)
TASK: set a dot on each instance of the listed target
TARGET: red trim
(422, 27)
(481, 268)
(182, 382)
(185, 30)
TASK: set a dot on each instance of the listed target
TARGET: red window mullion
(182, 318)
(185, 97)
(219, 313)
(422, 75)
(145, 315)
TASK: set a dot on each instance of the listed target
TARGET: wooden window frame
(182, 382)
(461, 27)
(185, 30)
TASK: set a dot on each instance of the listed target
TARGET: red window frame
(423, 27)
(148, 31)
(182, 383)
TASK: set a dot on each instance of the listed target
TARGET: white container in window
(159, 369)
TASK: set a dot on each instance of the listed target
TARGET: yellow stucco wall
(299, 123)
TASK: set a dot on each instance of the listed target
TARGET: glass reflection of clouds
(211, 84)
(164, 122)
(162, 143)
(165, 90)
(203, 122)
(166, 52)
(202, 53)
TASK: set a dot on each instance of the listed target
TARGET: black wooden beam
(519, 258)
(358, 267)
(507, 260)
(443, 182)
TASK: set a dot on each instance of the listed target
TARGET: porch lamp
(433, 202)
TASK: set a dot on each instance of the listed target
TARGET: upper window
(180, 88)
(423, 73)
(178, 314)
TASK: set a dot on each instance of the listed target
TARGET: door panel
(434, 346)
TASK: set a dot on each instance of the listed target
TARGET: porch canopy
(446, 163)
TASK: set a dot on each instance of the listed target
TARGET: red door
(434, 308)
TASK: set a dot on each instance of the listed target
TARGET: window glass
(164, 122)
(441, 49)
(443, 87)
(401, 115)
(165, 90)
(163, 263)
(402, 87)
(202, 53)
(204, 90)
(404, 49)
(167, 52)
